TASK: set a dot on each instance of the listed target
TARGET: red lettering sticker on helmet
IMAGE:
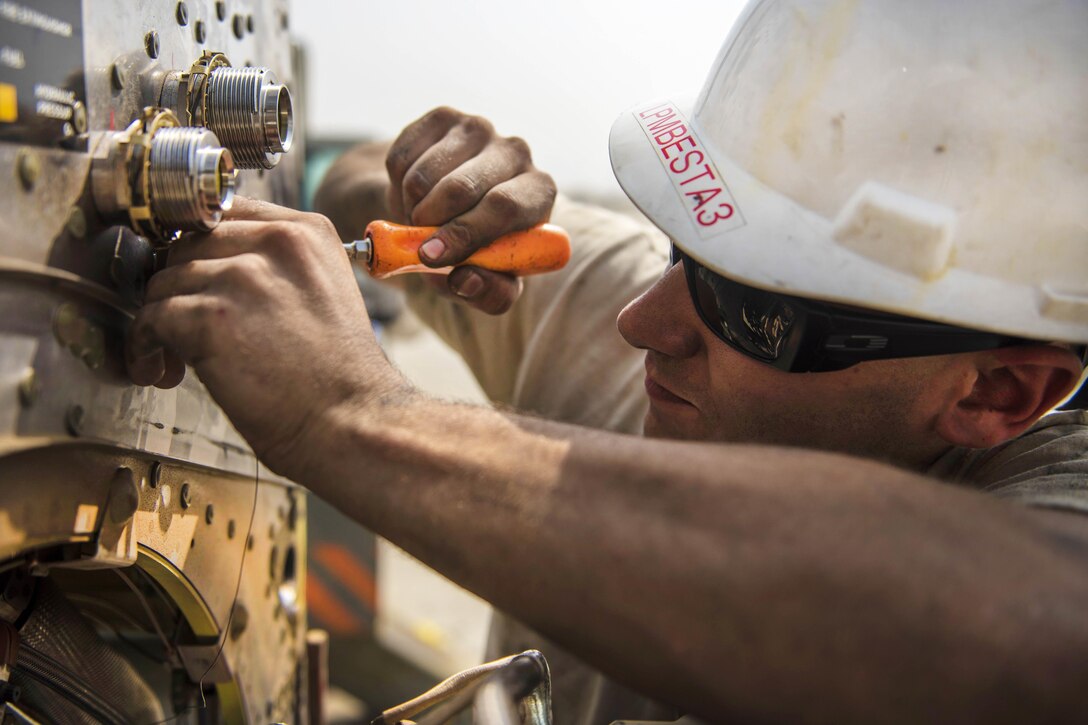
(689, 167)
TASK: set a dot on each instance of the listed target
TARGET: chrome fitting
(163, 178)
(246, 108)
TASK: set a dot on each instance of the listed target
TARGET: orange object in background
(394, 249)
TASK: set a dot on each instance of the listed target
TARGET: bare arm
(736, 582)
(740, 582)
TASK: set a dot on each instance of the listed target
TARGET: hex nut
(151, 44)
(117, 79)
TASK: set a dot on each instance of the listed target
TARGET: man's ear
(1011, 388)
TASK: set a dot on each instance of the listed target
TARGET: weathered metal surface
(92, 468)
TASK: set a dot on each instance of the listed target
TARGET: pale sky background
(555, 73)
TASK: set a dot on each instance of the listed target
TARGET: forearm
(761, 583)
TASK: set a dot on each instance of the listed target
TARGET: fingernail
(470, 285)
(432, 249)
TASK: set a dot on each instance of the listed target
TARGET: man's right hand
(452, 171)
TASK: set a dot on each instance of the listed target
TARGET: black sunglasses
(801, 335)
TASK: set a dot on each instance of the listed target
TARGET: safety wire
(234, 602)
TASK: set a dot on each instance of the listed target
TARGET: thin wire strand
(147, 608)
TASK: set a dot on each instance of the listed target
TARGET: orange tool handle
(394, 249)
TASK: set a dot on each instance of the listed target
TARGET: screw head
(151, 44)
(200, 32)
(186, 496)
(209, 514)
(29, 168)
(74, 419)
(182, 14)
(154, 474)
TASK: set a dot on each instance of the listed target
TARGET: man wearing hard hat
(849, 506)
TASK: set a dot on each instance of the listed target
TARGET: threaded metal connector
(192, 179)
(162, 178)
(251, 114)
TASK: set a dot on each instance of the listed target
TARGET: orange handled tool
(394, 249)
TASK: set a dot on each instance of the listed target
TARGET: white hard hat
(926, 158)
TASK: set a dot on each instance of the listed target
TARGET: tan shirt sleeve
(557, 352)
(1046, 466)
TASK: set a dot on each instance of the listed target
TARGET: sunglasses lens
(757, 323)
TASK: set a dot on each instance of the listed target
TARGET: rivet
(74, 419)
(77, 223)
(28, 388)
(151, 44)
(154, 474)
(200, 32)
(182, 14)
(186, 496)
(29, 168)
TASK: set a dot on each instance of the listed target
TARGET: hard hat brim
(734, 224)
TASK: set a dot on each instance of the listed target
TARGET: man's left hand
(266, 310)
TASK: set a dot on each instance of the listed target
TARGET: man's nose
(663, 318)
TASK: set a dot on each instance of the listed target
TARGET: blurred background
(556, 74)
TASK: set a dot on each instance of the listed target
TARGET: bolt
(182, 14)
(77, 223)
(116, 79)
(154, 474)
(151, 44)
(209, 514)
(79, 117)
(221, 10)
(28, 388)
(74, 419)
(199, 31)
(238, 23)
(186, 496)
(29, 167)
